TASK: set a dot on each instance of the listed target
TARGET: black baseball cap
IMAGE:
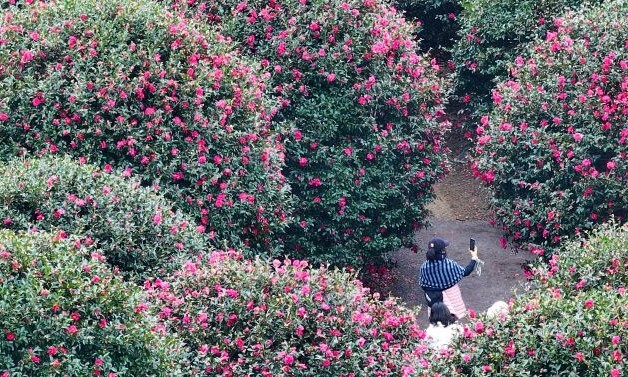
(438, 244)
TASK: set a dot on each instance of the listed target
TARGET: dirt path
(460, 212)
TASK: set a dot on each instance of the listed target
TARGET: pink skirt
(453, 300)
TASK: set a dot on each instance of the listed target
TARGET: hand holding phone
(472, 249)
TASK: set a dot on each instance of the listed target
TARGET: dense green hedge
(554, 149)
(134, 227)
(493, 34)
(127, 85)
(249, 318)
(364, 148)
(64, 313)
(439, 24)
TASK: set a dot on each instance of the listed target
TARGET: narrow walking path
(500, 274)
(460, 212)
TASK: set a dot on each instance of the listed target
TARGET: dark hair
(434, 255)
(430, 254)
(439, 312)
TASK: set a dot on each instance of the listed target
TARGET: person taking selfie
(439, 276)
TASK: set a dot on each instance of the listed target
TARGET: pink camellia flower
(38, 101)
(315, 182)
(487, 368)
(72, 329)
(27, 56)
(505, 126)
(288, 359)
(579, 356)
(482, 140)
(141, 307)
(503, 242)
(578, 136)
(479, 327)
(496, 97)
(220, 200)
(72, 41)
(331, 77)
(610, 165)
(616, 355)
(190, 267)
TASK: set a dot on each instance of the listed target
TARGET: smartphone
(471, 243)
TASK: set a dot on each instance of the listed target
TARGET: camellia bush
(572, 321)
(554, 149)
(439, 24)
(127, 85)
(493, 33)
(134, 227)
(364, 146)
(249, 318)
(63, 312)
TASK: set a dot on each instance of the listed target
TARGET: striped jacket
(442, 274)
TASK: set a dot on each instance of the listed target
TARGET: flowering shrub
(493, 33)
(126, 85)
(554, 149)
(439, 23)
(64, 313)
(364, 146)
(248, 318)
(136, 229)
(572, 322)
